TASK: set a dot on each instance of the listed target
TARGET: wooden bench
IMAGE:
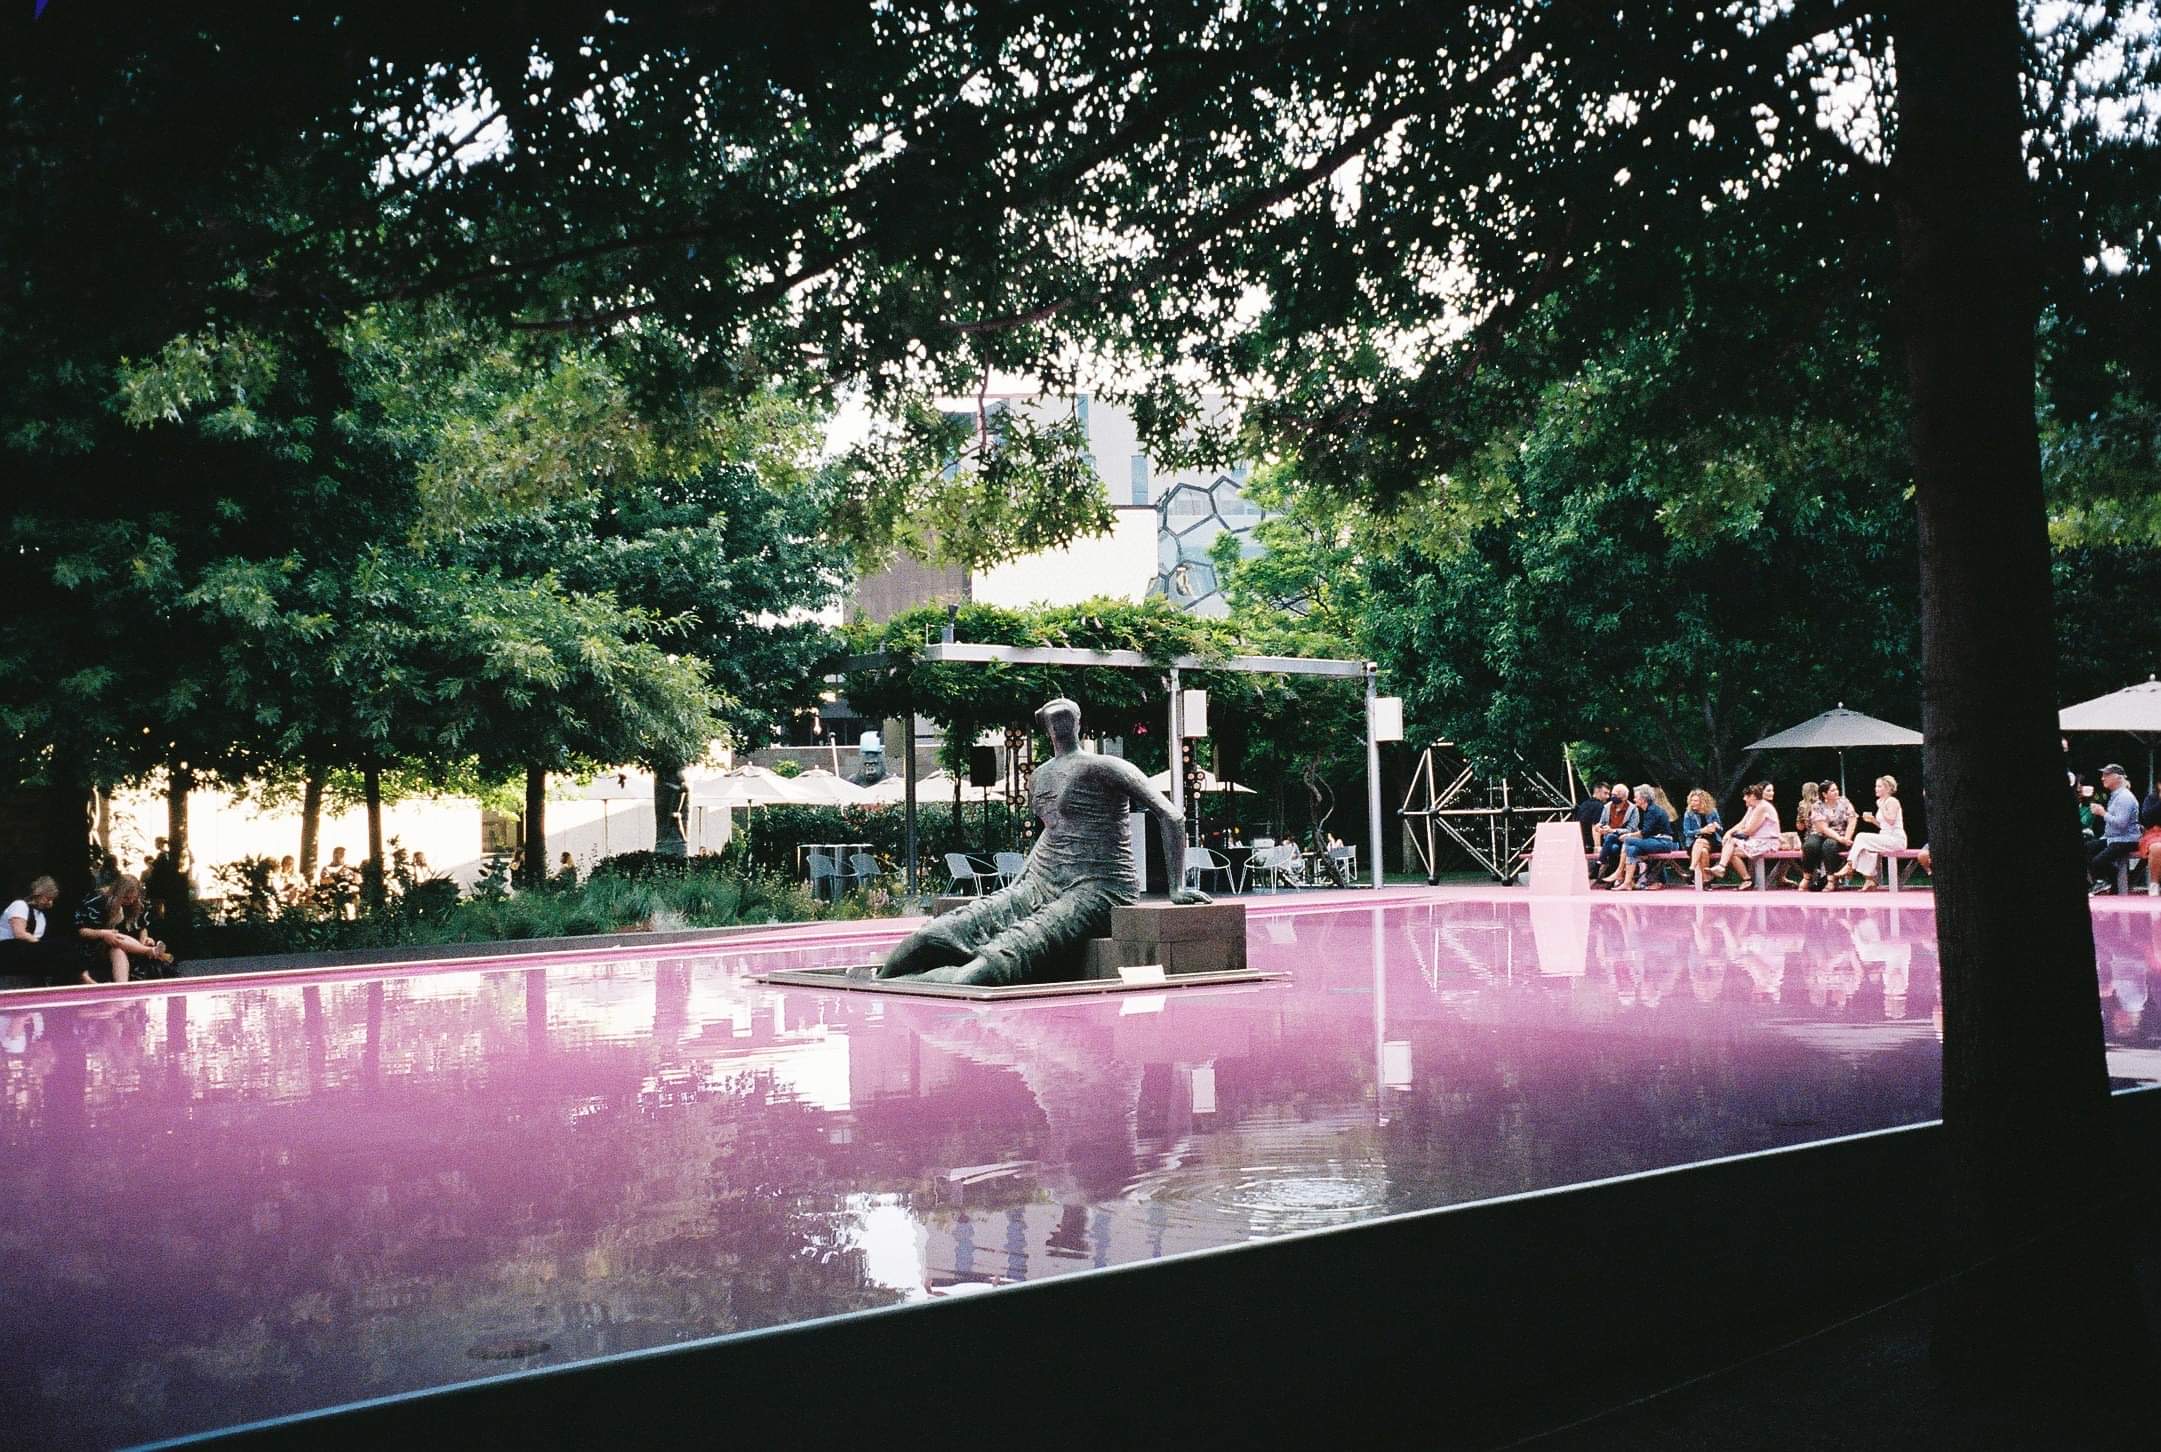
(1892, 857)
(2123, 877)
(1592, 858)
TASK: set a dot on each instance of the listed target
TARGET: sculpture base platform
(1151, 945)
(863, 978)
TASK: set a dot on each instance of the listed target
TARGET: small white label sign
(1142, 973)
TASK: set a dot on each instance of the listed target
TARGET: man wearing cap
(2119, 830)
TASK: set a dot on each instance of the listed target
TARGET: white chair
(1010, 866)
(971, 871)
(1200, 861)
(1279, 867)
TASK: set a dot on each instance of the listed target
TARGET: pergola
(958, 652)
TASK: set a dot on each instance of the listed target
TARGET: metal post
(908, 812)
(1172, 754)
(1373, 779)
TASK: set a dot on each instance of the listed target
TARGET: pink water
(235, 1201)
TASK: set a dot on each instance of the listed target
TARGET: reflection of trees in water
(367, 1236)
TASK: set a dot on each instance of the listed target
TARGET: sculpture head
(1060, 720)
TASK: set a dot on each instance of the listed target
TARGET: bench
(2123, 877)
(1892, 857)
(1592, 858)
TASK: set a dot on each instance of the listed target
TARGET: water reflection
(230, 1203)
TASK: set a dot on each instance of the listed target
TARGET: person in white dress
(1889, 821)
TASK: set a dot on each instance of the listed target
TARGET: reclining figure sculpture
(1036, 929)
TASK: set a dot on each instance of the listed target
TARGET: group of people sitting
(1839, 846)
(108, 939)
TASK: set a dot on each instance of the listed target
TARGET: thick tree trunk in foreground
(311, 820)
(374, 874)
(667, 809)
(2024, 1086)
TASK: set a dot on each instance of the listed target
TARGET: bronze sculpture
(1036, 928)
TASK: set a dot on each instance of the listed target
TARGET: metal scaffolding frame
(1510, 808)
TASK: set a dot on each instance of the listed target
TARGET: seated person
(1589, 813)
(1701, 829)
(2120, 834)
(1613, 831)
(2149, 842)
(108, 933)
(566, 873)
(1755, 834)
(1827, 836)
(25, 947)
(1654, 833)
(1035, 928)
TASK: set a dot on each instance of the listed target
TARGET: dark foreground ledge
(1470, 1326)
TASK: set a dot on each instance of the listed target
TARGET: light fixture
(1387, 718)
(1193, 713)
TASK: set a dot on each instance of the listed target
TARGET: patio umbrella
(2134, 711)
(823, 786)
(615, 786)
(1210, 782)
(895, 788)
(1838, 730)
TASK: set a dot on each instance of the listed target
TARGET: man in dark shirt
(1589, 810)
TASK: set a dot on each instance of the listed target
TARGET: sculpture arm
(1170, 828)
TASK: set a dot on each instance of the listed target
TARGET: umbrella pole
(1842, 775)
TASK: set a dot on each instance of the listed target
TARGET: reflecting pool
(231, 1201)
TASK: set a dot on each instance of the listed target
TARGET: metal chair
(1200, 861)
(863, 867)
(1010, 866)
(824, 877)
(969, 870)
(1342, 865)
(1280, 866)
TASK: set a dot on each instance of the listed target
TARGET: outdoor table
(838, 851)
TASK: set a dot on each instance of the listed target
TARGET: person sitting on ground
(421, 870)
(1589, 813)
(285, 881)
(106, 926)
(1889, 821)
(24, 947)
(566, 873)
(337, 872)
(1620, 821)
(1755, 834)
(2119, 830)
(1829, 837)
(1654, 833)
(1701, 827)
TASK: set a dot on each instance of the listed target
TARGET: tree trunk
(311, 820)
(536, 827)
(667, 808)
(372, 873)
(176, 886)
(2024, 1083)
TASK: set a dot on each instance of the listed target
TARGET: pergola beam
(1058, 655)
(961, 653)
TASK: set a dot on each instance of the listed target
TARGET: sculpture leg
(958, 936)
(1044, 944)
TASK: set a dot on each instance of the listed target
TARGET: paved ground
(1867, 1386)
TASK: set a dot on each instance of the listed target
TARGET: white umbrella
(895, 788)
(1210, 782)
(615, 786)
(753, 786)
(832, 790)
(2134, 711)
(1838, 730)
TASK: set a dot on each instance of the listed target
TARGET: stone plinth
(1199, 938)
(1557, 867)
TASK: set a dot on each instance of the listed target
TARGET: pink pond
(257, 1197)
